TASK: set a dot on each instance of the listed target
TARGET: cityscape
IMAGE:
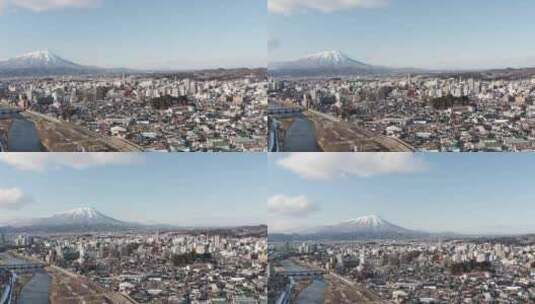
(440, 236)
(253, 228)
(421, 271)
(426, 113)
(133, 77)
(414, 81)
(200, 111)
(179, 252)
(267, 152)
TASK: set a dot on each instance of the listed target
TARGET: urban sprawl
(460, 271)
(155, 112)
(151, 267)
(430, 113)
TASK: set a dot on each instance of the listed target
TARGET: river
(23, 136)
(36, 291)
(301, 136)
(314, 293)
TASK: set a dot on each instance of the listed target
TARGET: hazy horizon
(162, 69)
(191, 190)
(465, 194)
(421, 68)
(452, 35)
(172, 35)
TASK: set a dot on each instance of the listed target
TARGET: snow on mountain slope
(76, 217)
(325, 60)
(45, 63)
(331, 59)
(370, 224)
(38, 59)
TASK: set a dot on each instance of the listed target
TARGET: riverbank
(282, 127)
(57, 285)
(5, 125)
(68, 287)
(298, 134)
(17, 133)
(62, 136)
(22, 281)
(335, 135)
(339, 291)
(342, 290)
(29, 288)
(304, 290)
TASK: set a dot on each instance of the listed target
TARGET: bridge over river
(301, 274)
(28, 267)
(9, 111)
(284, 111)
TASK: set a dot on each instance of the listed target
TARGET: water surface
(301, 136)
(23, 136)
(314, 293)
(36, 291)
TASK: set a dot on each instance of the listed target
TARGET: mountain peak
(82, 212)
(331, 62)
(80, 219)
(364, 226)
(332, 56)
(43, 62)
(42, 55)
(370, 220)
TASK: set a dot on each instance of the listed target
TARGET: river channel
(314, 293)
(36, 291)
(23, 136)
(301, 136)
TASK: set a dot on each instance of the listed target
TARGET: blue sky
(466, 193)
(187, 189)
(453, 34)
(161, 34)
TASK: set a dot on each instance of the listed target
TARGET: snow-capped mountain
(328, 63)
(370, 223)
(329, 59)
(365, 227)
(82, 216)
(81, 219)
(44, 63)
(40, 59)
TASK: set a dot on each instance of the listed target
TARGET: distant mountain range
(338, 64)
(46, 63)
(85, 220)
(328, 63)
(362, 228)
(77, 220)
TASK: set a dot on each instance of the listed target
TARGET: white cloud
(13, 198)
(323, 166)
(290, 206)
(288, 7)
(42, 161)
(43, 5)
